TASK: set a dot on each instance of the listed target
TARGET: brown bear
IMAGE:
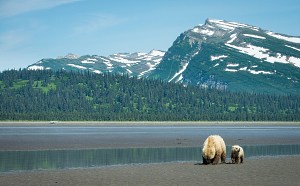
(237, 154)
(214, 149)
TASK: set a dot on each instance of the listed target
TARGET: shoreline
(277, 170)
(144, 123)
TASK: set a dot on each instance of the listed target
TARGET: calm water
(62, 159)
(87, 145)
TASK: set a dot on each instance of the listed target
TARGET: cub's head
(235, 148)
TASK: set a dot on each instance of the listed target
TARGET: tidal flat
(145, 153)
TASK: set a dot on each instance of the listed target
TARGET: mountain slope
(234, 56)
(135, 64)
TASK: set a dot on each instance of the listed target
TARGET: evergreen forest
(46, 95)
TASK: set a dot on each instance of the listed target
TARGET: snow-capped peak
(156, 53)
(71, 56)
(228, 25)
(137, 57)
(216, 27)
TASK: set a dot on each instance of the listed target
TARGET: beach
(258, 170)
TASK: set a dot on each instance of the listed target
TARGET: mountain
(218, 54)
(134, 64)
(234, 56)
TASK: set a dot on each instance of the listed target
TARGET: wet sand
(281, 170)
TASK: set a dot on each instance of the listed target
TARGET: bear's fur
(237, 154)
(214, 149)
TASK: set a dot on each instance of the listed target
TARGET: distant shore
(264, 171)
(144, 123)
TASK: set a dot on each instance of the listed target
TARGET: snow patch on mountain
(77, 66)
(245, 69)
(36, 67)
(233, 65)
(141, 53)
(89, 61)
(223, 25)
(254, 36)
(97, 71)
(180, 71)
(230, 26)
(121, 59)
(157, 53)
(232, 38)
(130, 59)
(298, 49)
(294, 60)
(184, 66)
(230, 70)
(286, 38)
(104, 59)
(151, 67)
(264, 54)
(259, 72)
(213, 58)
(129, 71)
(203, 31)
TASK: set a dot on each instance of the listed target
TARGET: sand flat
(136, 135)
(281, 170)
(45, 136)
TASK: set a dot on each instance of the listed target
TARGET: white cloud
(96, 22)
(12, 39)
(10, 8)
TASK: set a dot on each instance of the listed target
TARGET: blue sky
(34, 29)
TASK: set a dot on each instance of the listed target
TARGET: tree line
(85, 96)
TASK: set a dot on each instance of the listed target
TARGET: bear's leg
(242, 159)
(216, 159)
(223, 158)
(232, 158)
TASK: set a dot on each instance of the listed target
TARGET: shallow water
(62, 159)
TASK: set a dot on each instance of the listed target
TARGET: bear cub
(237, 154)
